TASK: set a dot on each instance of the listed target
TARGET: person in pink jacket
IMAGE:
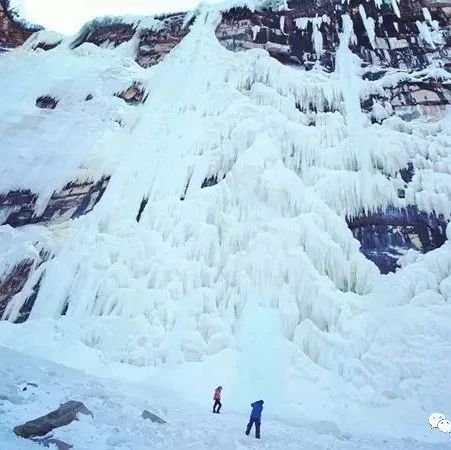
(217, 398)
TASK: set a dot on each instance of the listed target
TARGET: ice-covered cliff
(228, 185)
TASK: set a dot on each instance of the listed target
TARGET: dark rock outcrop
(46, 102)
(386, 235)
(46, 46)
(308, 33)
(155, 41)
(107, 34)
(18, 209)
(25, 309)
(74, 200)
(13, 282)
(152, 417)
(154, 45)
(277, 32)
(64, 415)
(212, 180)
(134, 94)
(12, 33)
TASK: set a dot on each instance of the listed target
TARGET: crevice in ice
(13, 280)
(142, 206)
(212, 180)
(27, 306)
(65, 307)
(188, 181)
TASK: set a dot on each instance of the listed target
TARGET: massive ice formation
(173, 178)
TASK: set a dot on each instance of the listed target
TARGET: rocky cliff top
(13, 31)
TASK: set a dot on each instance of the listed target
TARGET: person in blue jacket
(256, 417)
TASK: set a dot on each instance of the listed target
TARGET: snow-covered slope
(117, 422)
(177, 195)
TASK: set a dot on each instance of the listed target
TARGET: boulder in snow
(153, 417)
(60, 417)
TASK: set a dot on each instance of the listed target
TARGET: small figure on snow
(256, 417)
(217, 398)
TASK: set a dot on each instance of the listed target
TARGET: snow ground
(117, 406)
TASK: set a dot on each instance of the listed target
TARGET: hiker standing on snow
(256, 417)
(217, 399)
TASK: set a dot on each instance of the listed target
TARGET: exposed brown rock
(397, 40)
(105, 35)
(13, 282)
(12, 34)
(18, 207)
(74, 200)
(134, 94)
(154, 45)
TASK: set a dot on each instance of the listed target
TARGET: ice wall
(231, 181)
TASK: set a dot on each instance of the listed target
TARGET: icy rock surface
(231, 194)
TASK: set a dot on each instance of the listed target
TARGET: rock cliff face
(402, 50)
(403, 36)
(12, 33)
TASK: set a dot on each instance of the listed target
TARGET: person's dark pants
(217, 404)
(257, 427)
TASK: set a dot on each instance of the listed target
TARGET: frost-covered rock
(43, 40)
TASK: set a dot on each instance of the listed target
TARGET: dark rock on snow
(46, 102)
(49, 441)
(64, 415)
(152, 417)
